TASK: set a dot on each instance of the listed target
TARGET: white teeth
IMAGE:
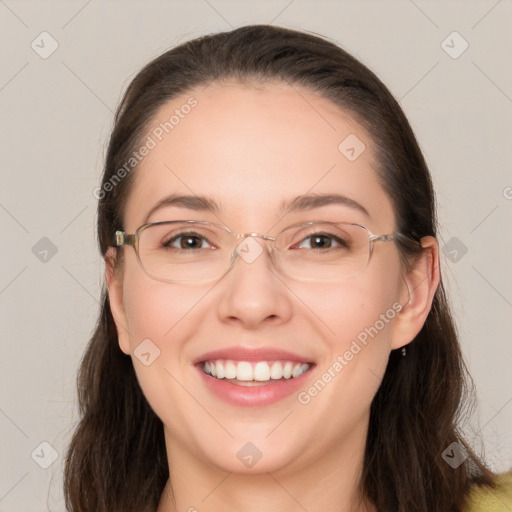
(287, 370)
(299, 369)
(243, 371)
(276, 371)
(230, 368)
(221, 373)
(260, 371)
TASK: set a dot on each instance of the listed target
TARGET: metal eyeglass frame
(122, 238)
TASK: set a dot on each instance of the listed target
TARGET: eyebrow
(299, 203)
(197, 203)
(311, 201)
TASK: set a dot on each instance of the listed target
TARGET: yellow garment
(483, 499)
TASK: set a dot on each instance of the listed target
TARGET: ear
(114, 280)
(420, 285)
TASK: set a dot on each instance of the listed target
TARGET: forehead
(252, 147)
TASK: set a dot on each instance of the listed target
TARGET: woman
(289, 338)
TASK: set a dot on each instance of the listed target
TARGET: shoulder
(483, 499)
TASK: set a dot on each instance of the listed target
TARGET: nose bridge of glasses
(239, 239)
(249, 252)
(255, 235)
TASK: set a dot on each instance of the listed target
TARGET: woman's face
(250, 148)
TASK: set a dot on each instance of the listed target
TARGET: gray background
(56, 116)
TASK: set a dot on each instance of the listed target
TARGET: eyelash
(341, 243)
(167, 244)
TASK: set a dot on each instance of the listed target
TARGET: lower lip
(254, 396)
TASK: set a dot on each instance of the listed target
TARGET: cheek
(157, 310)
(161, 318)
(360, 309)
(360, 316)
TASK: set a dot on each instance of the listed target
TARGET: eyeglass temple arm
(123, 239)
(381, 238)
(398, 237)
(407, 240)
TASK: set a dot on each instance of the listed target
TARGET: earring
(404, 351)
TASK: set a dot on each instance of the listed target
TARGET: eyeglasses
(182, 251)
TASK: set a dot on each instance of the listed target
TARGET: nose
(253, 292)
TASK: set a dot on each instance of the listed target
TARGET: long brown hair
(117, 461)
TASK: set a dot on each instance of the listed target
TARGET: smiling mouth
(254, 373)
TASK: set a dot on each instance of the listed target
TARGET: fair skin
(250, 148)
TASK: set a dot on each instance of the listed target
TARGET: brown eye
(186, 241)
(319, 241)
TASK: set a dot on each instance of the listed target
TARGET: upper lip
(240, 353)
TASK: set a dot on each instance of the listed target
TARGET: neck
(330, 483)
